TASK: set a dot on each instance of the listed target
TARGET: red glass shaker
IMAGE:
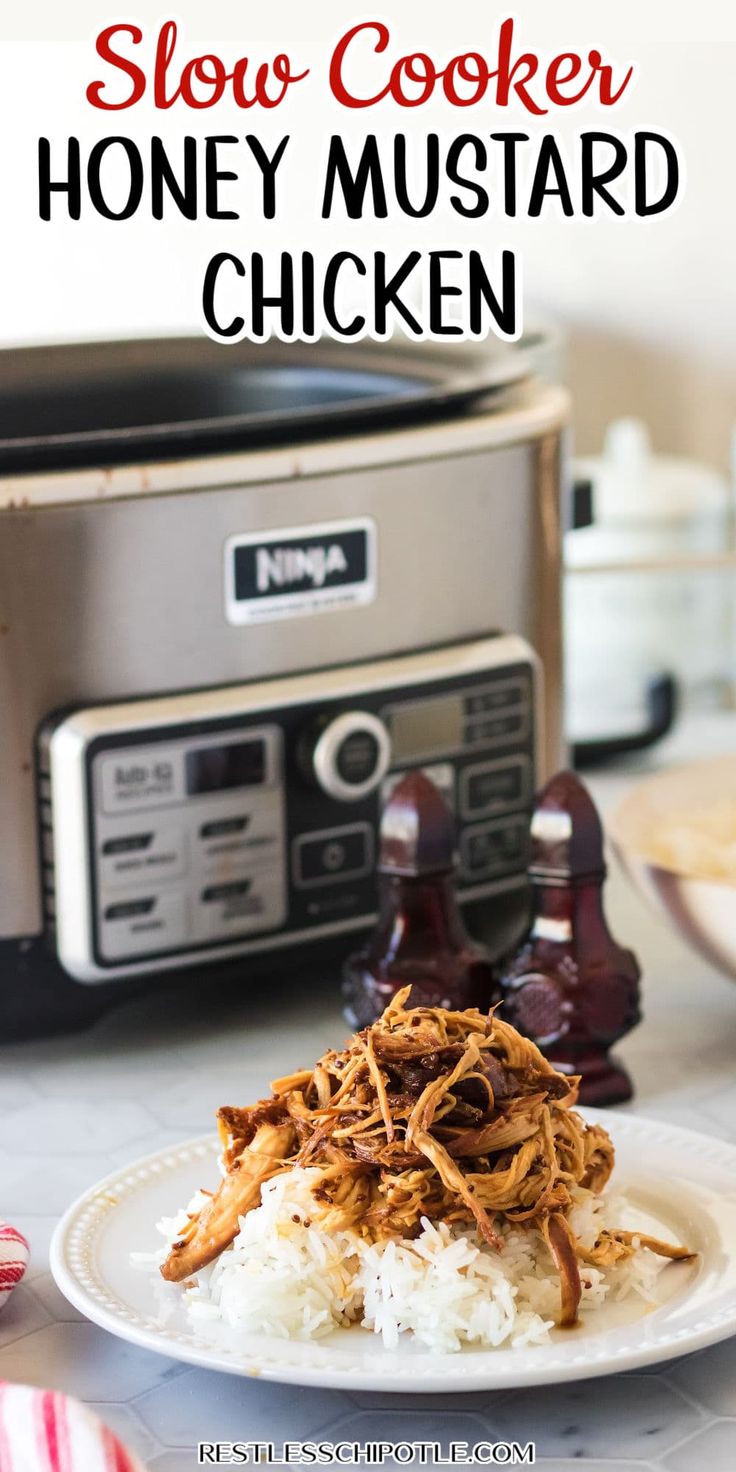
(420, 938)
(570, 987)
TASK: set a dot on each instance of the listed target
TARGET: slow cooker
(242, 590)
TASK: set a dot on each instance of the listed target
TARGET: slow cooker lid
(95, 404)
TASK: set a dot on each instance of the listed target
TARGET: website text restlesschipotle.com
(365, 1453)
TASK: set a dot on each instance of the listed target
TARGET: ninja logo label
(288, 565)
(287, 573)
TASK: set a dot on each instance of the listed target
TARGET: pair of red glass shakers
(569, 986)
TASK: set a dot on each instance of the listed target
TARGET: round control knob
(351, 755)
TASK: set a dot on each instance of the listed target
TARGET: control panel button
(349, 757)
(241, 906)
(240, 840)
(334, 855)
(495, 729)
(488, 850)
(143, 924)
(129, 909)
(357, 757)
(131, 843)
(495, 787)
(138, 854)
(224, 827)
(235, 891)
(495, 697)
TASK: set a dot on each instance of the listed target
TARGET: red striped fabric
(51, 1430)
(6, 1463)
(45, 1431)
(117, 1457)
(14, 1256)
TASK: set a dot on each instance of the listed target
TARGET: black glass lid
(107, 403)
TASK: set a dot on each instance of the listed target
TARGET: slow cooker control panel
(190, 842)
(246, 818)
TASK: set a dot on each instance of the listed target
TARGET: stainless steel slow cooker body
(126, 469)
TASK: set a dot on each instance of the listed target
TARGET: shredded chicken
(453, 1116)
(214, 1227)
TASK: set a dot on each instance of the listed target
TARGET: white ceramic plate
(681, 1185)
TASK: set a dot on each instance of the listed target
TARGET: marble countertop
(152, 1073)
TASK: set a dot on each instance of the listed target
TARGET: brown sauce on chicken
(453, 1116)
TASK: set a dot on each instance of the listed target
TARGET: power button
(333, 855)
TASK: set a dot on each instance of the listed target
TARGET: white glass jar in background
(634, 607)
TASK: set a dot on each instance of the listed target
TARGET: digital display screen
(218, 768)
(429, 727)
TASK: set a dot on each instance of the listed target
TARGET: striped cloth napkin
(45, 1431)
(13, 1260)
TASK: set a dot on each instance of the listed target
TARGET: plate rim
(129, 1326)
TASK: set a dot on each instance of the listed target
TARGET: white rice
(285, 1277)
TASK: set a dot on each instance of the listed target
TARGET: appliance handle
(662, 704)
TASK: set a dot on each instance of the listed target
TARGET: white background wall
(650, 308)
